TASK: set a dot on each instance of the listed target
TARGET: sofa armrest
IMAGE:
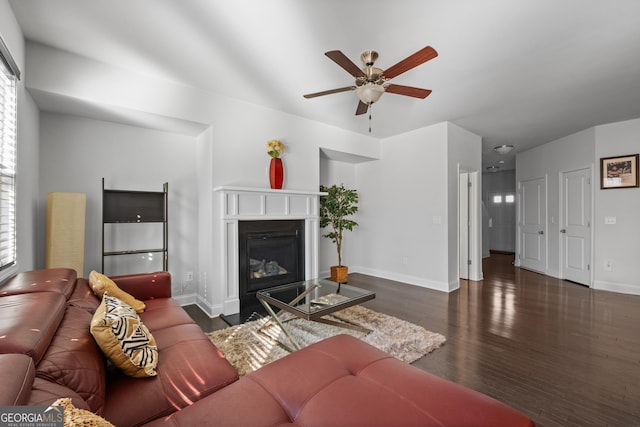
(17, 372)
(145, 286)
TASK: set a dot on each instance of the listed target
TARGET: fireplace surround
(233, 205)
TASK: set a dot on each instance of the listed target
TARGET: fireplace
(270, 253)
(235, 206)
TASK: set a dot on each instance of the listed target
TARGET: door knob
(563, 231)
(541, 232)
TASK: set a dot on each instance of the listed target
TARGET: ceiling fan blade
(415, 92)
(329, 92)
(341, 59)
(420, 57)
(362, 108)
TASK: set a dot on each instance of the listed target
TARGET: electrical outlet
(608, 265)
(190, 276)
(405, 261)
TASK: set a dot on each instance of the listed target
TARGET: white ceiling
(520, 72)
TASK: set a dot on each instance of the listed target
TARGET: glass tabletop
(314, 298)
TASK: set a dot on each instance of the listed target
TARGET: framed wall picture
(619, 172)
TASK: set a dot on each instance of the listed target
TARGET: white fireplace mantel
(234, 204)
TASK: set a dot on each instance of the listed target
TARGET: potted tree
(335, 207)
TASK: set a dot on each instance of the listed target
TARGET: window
(9, 75)
(509, 198)
(497, 198)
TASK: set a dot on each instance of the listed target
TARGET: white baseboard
(412, 280)
(623, 288)
(211, 310)
(183, 300)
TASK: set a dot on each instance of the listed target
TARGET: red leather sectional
(47, 352)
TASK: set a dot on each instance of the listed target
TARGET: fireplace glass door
(271, 253)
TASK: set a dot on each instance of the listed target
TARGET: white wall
(464, 154)
(27, 156)
(399, 199)
(337, 172)
(576, 151)
(619, 243)
(76, 153)
(409, 207)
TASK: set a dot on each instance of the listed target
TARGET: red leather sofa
(47, 352)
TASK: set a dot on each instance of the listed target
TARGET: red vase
(276, 173)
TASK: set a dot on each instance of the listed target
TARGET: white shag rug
(247, 348)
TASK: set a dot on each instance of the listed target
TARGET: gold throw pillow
(100, 284)
(77, 417)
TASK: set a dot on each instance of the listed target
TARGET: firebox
(271, 253)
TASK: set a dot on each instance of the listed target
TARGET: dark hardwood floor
(562, 353)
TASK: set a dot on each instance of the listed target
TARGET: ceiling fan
(371, 82)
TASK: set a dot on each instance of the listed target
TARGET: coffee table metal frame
(310, 309)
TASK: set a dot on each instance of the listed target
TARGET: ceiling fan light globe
(369, 93)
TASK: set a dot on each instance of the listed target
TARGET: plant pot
(339, 273)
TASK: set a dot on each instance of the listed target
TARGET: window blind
(8, 144)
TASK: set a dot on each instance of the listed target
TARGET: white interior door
(532, 222)
(575, 238)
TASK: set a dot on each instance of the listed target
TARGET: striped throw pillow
(124, 339)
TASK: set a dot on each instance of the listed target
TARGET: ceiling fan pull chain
(370, 104)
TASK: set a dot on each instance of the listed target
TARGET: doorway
(575, 226)
(469, 220)
(532, 218)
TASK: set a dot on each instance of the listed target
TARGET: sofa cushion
(100, 284)
(190, 367)
(29, 321)
(44, 393)
(60, 280)
(124, 339)
(163, 313)
(344, 381)
(17, 372)
(80, 417)
(75, 361)
(83, 297)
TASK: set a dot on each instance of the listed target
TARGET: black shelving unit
(136, 207)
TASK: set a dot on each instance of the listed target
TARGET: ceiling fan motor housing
(369, 57)
(371, 74)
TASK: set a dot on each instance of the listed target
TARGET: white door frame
(464, 252)
(474, 215)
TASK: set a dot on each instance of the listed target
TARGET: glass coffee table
(312, 300)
